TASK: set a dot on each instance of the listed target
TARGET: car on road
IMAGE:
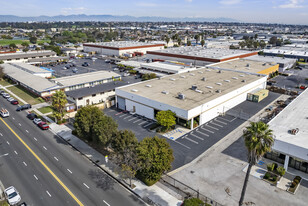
(10, 99)
(12, 195)
(37, 120)
(23, 107)
(4, 113)
(43, 125)
(15, 102)
(85, 64)
(31, 116)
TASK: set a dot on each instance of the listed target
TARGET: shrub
(298, 177)
(270, 167)
(296, 181)
(274, 178)
(193, 202)
(267, 175)
(281, 171)
(293, 184)
(275, 166)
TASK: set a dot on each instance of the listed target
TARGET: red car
(15, 102)
(43, 125)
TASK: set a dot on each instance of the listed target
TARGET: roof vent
(219, 71)
(203, 79)
(209, 87)
(172, 79)
(194, 87)
(234, 78)
(134, 90)
(218, 91)
(248, 65)
(208, 70)
(243, 80)
(181, 96)
(182, 76)
(218, 83)
(200, 72)
(227, 80)
(192, 74)
(242, 75)
(148, 85)
(165, 92)
(199, 91)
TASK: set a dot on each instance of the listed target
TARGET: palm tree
(258, 140)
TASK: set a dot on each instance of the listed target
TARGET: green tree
(202, 42)
(12, 46)
(262, 44)
(193, 202)
(155, 157)
(242, 44)
(33, 40)
(92, 125)
(179, 41)
(25, 44)
(123, 140)
(58, 102)
(148, 76)
(197, 36)
(188, 43)
(273, 40)
(258, 140)
(166, 118)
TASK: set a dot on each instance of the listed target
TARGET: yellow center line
(46, 167)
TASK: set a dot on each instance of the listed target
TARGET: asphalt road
(61, 174)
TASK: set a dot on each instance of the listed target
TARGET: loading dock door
(121, 103)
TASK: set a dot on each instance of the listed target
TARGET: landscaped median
(274, 173)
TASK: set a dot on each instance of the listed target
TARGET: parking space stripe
(127, 117)
(182, 144)
(234, 119)
(202, 133)
(148, 124)
(190, 139)
(216, 124)
(142, 123)
(122, 115)
(196, 136)
(211, 127)
(132, 119)
(137, 120)
(220, 122)
(224, 119)
(206, 130)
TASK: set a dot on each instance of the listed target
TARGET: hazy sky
(266, 11)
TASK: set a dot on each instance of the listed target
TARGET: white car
(12, 195)
(10, 99)
(5, 95)
(37, 120)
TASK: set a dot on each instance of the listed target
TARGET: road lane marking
(19, 124)
(86, 185)
(13, 118)
(35, 177)
(56, 158)
(1, 134)
(8, 142)
(25, 164)
(34, 138)
(16, 152)
(42, 163)
(48, 193)
(44, 147)
(27, 131)
(106, 203)
(69, 171)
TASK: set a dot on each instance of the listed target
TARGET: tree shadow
(103, 181)
(237, 150)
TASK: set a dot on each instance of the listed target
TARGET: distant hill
(105, 18)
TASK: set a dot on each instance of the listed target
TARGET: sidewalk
(152, 194)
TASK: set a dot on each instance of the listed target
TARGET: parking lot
(192, 144)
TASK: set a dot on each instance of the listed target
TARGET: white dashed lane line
(19, 124)
(27, 131)
(86, 185)
(44, 147)
(16, 152)
(56, 158)
(106, 203)
(25, 164)
(48, 193)
(8, 142)
(34, 138)
(1, 134)
(69, 171)
(13, 118)
(35, 177)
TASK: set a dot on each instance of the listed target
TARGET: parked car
(64, 68)
(10, 99)
(85, 64)
(75, 70)
(37, 120)
(6, 95)
(12, 195)
(23, 107)
(1, 92)
(115, 69)
(107, 61)
(31, 116)
(15, 102)
(43, 125)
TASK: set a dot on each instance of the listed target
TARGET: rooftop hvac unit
(234, 78)
(148, 85)
(200, 72)
(199, 91)
(243, 80)
(219, 71)
(194, 87)
(218, 83)
(218, 91)
(182, 77)
(248, 65)
(209, 87)
(192, 74)
(208, 70)
(134, 90)
(172, 79)
(203, 79)
(227, 80)
(242, 75)
(165, 92)
(181, 96)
